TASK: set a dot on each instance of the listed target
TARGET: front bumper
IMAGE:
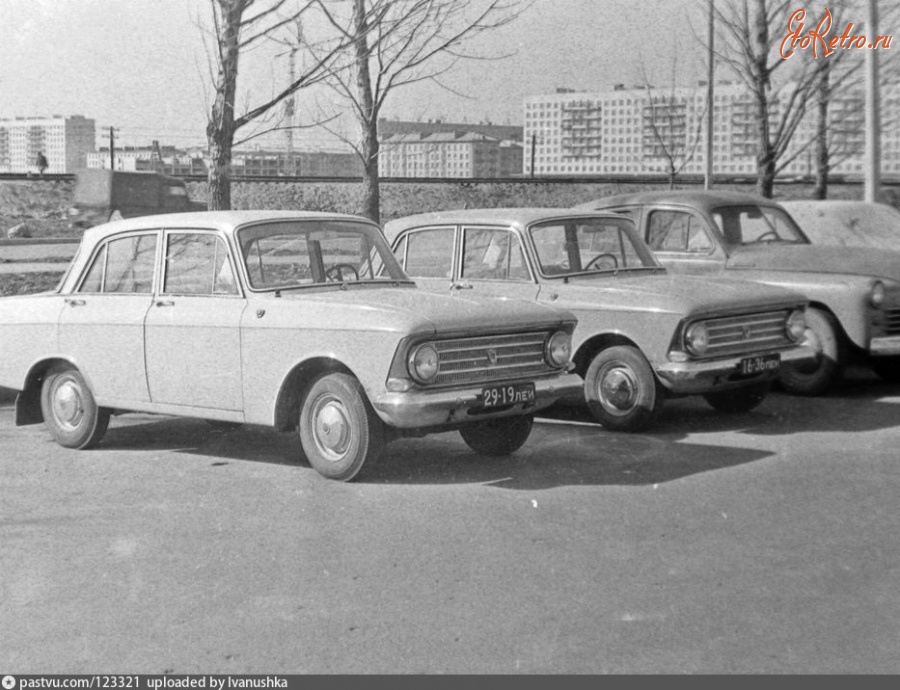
(695, 377)
(425, 409)
(885, 346)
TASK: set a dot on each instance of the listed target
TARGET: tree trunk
(759, 72)
(220, 129)
(367, 115)
(820, 190)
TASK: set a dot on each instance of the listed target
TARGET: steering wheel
(767, 233)
(336, 272)
(615, 261)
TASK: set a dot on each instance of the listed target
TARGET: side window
(677, 231)
(492, 254)
(429, 253)
(197, 264)
(124, 265)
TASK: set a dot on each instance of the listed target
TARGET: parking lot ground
(758, 543)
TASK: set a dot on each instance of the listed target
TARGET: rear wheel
(738, 400)
(69, 409)
(887, 368)
(621, 390)
(816, 377)
(339, 430)
(497, 436)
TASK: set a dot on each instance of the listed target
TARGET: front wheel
(888, 368)
(739, 400)
(339, 430)
(497, 436)
(69, 409)
(816, 377)
(621, 389)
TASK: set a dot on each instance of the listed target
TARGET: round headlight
(558, 349)
(876, 298)
(696, 339)
(423, 363)
(795, 325)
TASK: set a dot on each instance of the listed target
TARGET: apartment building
(635, 131)
(448, 154)
(64, 142)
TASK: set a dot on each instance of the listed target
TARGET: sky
(141, 65)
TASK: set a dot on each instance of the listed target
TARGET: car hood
(417, 310)
(676, 294)
(805, 258)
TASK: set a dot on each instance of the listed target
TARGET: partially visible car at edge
(847, 223)
(854, 292)
(643, 334)
(284, 319)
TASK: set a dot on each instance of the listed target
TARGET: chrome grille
(747, 333)
(471, 360)
(892, 321)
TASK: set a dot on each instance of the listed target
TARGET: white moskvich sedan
(293, 320)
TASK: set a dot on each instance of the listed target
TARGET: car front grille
(747, 333)
(892, 321)
(472, 360)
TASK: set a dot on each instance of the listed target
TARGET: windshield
(301, 253)
(580, 245)
(751, 224)
(851, 225)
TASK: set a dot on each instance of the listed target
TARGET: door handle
(461, 286)
(72, 302)
(165, 303)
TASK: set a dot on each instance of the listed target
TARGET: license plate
(510, 394)
(760, 364)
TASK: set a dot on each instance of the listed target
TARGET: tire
(339, 430)
(817, 378)
(115, 215)
(497, 436)
(739, 400)
(888, 368)
(70, 412)
(621, 389)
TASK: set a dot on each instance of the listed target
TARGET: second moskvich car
(284, 319)
(643, 334)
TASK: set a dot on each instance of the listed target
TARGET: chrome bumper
(419, 409)
(706, 376)
(885, 346)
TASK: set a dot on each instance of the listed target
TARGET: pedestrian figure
(42, 164)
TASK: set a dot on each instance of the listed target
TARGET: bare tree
(239, 26)
(397, 43)
(748, 41)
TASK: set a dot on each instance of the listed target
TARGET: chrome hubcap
(332, 429)
(68, 404)
(618, 390)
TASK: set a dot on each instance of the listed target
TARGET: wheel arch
(295, 384)
(28, 401)
(590, 347)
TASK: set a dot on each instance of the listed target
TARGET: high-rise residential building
(639, 130)
(64, 142)
(448, 154)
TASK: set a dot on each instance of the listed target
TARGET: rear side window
(123, 265)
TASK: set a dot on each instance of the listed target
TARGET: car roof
(697, 198)
(227, 221)
(510, 217)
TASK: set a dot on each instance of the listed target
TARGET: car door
(101, 326)
(683, 242)
(192, 329)
(493, 263)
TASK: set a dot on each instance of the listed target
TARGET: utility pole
(533, 143)
(289, 103)
(112, 149)
(710, 75)
(873, 111)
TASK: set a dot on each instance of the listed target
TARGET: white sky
(140, 65)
